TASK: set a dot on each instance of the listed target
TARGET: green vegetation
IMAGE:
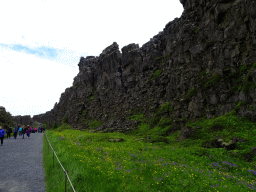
(150, 159)
(64, 126)
(212, 80)
(64, 120)
(159, 58)
(155, 164)
(156, 74)
(55, 125)
(92, 97)
(5, 119)
(191, 93)
(197, 30)
(95, 124)
(46, 126)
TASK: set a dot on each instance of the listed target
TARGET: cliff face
(23, 120)
(200, 65)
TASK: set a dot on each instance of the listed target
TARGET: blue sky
(42, 41)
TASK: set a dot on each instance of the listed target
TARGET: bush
(55, 125)
(64, 120)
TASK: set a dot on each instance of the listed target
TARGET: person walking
(20, 131)
(35, 130)
(16, 129)
(39, 129)
(9, 131)
(28, 131)
(2, 133)
(24, 130)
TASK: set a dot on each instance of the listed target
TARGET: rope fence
(65, 171)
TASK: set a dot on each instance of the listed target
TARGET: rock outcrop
(201, 64)
(23, 120)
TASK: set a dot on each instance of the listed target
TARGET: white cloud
(28, 81)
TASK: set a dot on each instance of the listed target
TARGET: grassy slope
(94, 164)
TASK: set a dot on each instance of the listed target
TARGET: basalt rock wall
(23, 120)
(201, 64)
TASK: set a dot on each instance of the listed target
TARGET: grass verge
(95, 164)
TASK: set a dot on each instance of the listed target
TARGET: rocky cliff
(202, 64)
(23, 120)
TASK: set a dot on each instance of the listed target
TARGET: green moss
(242, 68)
(84, 112)
(95, 124)
(64, 119)
(63, 127)
(92, 97)
(191, 93)
(156, 74)
(248, 87)
(165, 108)
(168, 56)
(202, 74)
(239, 104)
(213, 81)
(197, 30)
(159, 58)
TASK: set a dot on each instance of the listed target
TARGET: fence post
(53, 156)
(66, 179)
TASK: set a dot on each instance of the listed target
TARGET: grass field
(95, 164)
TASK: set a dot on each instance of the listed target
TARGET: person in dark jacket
(9, 131)
(28, 131)
(16, 129)
(23, 132)
(2, 133)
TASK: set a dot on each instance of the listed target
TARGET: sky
(41, 43)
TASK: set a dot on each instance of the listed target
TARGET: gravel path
(21, 164)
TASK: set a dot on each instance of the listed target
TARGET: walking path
(21, 164)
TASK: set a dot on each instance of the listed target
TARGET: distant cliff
(202, 64)
(23, 120)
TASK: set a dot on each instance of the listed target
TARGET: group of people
(22, 131)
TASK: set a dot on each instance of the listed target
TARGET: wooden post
(66, 179)
(53, 156)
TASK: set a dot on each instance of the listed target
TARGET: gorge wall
(23, 120)
(202, 64)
